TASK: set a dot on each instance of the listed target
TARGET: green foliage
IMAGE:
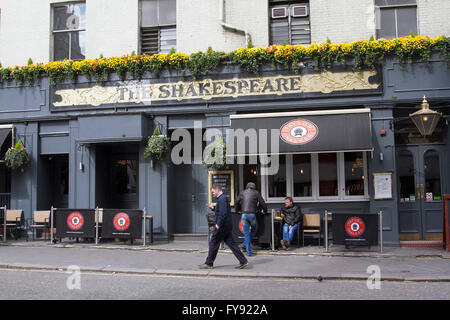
(157, 147)
(17, 158)
(215, 155)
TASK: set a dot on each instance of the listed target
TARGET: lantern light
(426, 119)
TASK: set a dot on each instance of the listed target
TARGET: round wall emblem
(75, 220)
(299, 131)
(355, 227)
(121, 221)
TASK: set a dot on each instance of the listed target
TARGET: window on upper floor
(158, 26)
(289, 22)
(69, 31)
(396, 18)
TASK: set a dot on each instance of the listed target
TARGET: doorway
(191, 198)
(53, 182)
(117, 174)
(420, 192)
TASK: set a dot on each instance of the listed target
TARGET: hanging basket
(215, 155)
(17, 158)
(157, 146)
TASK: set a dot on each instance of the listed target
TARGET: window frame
(158, 28)
(341, 197)
(52, 32)
(395, 7)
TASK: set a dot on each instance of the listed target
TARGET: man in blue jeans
(249, 203)
(292, 218)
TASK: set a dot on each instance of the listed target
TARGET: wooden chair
(41, 220)
(13, 220)
(311, 225)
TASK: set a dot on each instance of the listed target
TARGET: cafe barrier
(263, 233)
(115, 223)
(3, 218)
(446, 235)
(75, 223)
(355, 229)
(122, 224)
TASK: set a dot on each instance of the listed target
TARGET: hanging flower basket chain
(17, 158)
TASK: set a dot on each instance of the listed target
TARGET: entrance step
(189, 236)
(421, 243)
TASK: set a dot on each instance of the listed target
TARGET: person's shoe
(205, 266)
(242, 265)
(243, 248)
(283, 243)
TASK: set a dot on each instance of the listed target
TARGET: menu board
(382, 186)
(226, 179)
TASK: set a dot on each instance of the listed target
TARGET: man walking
(222, 230)
(249, 202)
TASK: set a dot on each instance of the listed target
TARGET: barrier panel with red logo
(263, 233)
(356, 229)
(122, 223)
(74, 223)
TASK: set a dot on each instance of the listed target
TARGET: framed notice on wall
(382, 186)
(226, 179)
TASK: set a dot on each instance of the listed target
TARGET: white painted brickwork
(113, 25)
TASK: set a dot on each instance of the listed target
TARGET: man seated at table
(292, 218)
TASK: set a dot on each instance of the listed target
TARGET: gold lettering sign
(140, 92)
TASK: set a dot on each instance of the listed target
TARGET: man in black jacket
(249, 203)
(222, 230)
(292, 218)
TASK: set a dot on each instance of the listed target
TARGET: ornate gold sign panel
(146, 93)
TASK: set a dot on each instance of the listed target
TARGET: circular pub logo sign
(75, 220)
(121, 221)
(299, 131)
(355, 227)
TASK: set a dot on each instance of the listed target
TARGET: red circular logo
(355, 227)
(75, 220)
(299, 131)
(121, 221)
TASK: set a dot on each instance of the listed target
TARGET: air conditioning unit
(280, 12)
(299, 11)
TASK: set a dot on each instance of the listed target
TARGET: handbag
(211, 219)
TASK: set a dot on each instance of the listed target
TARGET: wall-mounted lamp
(426, 119)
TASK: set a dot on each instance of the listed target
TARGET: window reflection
(432, 175)
(301, 164)
(354, 173)
(328, 182)
(277, 182)
(406, 176)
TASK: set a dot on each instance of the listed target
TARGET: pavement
(181, 258)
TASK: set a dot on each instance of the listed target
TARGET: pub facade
(343, 138)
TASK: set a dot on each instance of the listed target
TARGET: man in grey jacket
(249, 203)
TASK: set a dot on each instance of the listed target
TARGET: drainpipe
(222, 21)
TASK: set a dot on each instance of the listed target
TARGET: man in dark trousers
(222, 230)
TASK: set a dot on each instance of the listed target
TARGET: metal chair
(13, 220)
(41, 220)
(311, 225)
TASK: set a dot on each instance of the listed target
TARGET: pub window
(289, 22)
(69, 31)
(302, 175)
(158, 26)
(319, 177)
(396, 18)
(278, 182)
(328, 175)
(354, 173)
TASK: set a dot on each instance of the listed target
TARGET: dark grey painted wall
(44, 132)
